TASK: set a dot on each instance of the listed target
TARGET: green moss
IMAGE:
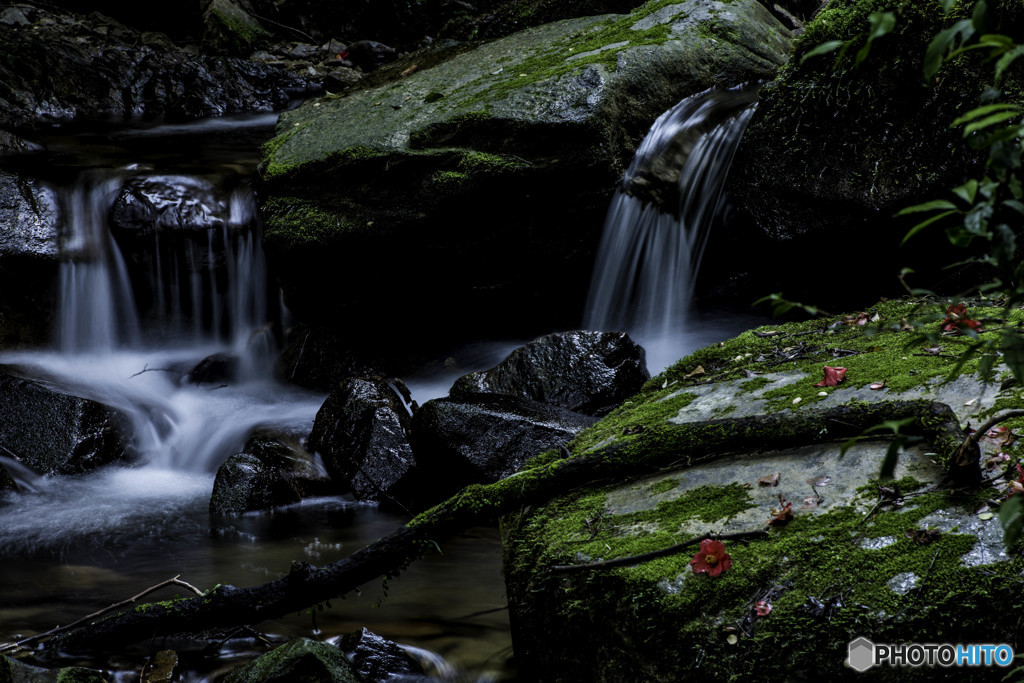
(663, 486)
(632, 417)
(302, 221)
(448, 178)
(659, 606)
(241, 36)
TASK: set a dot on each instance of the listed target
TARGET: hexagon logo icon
(862, 654)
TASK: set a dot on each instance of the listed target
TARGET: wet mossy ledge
(509, 147)
(851, 562)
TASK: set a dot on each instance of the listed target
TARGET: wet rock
(161, 667)
(586, 372)
(68, 67)
(13, 16)
(459, 443)
(362, 432)
(378, 659)
(28, 217)
(299, 660)
(17, 672)
(215, 369)
(170, 202)
(228, 29)
(317, 359)
(53, 431)
(273, 470)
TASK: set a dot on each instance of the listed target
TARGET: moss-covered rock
(917, 563)
(13, 671)
(230, 30)
(299, 661)
(835, 149)
(510, 148)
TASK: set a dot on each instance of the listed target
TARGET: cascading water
(659, 221)
(161, 269)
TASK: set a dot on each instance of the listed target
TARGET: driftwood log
(663, 446)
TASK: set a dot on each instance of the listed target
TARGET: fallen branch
(655, 554)
(685, 445)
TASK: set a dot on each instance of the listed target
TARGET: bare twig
(671, 550)
(175, 581)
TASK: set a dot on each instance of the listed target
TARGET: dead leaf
(823, 480)
(905, 326)
(1002, 436)
(811, 502)
(996, 460)
(933, 350)
(879, 385)
(699, 370)
(971, 402)
(833, 376)
(770, 480)
(923, 536)
(411, 69)
(781, 515)
(633, 429)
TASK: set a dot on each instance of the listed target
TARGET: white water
(649, 255)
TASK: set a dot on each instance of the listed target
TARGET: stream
(72, 545)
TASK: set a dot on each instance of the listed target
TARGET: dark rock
(170, 202)
(7, 482)
(362, 432)
(56, 432)
(69, 67)
(13, 16)
(228, 29)
(299, 661)
(215, 369)
(459, 443)
(28, 217)
(273, 470)
(376, 658)
(318, 359)
(586, 372)
(369, 54)
(14, 671)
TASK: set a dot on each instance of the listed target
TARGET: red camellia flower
(763, 607)
(956, 319)
(833, 376)
(711, 558)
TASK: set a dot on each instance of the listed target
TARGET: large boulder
(272, 470)
(362, 433)
(379, 659)
(586, 372)
(229, 29)
(904, 561)
(369, 194)
(838, 149)
(28, 258)
(460, 443)
(54, 431)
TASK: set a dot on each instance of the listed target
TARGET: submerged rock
(299, 660)
(53, 431)
(461, 442)
(362, 432)
(586, 372)
(273, 470)
(393, 184)
(148, 204)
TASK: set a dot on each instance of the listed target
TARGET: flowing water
(137, 310)
(658, 224)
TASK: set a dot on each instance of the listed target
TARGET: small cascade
(97, 310)
(660, 219)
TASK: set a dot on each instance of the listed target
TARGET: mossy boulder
(228, 29)
(13, 671)
(835, 149)
(908, 560)
(299, 661)
(511, 148)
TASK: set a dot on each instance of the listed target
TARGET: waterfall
(660, 218)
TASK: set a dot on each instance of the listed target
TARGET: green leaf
(990, 120)
(933, 56)
(947, 5)
(824, 48)
(1011, 518)
(892, 454)
(882, 23)
(924, 224)
(933, 205)
(1013, 353)
(968, 191)
(1007, 59)
(1015, 205)
(978, 112)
